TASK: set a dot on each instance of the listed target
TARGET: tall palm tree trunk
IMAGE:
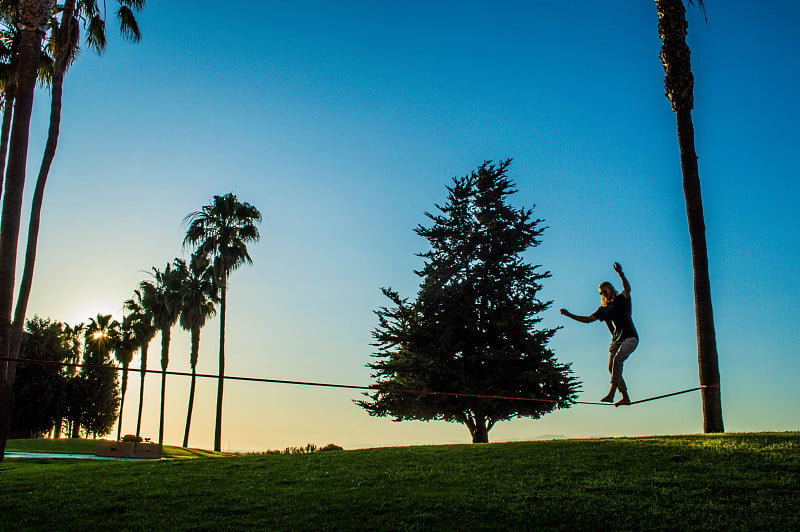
(679, 84)
(707, 357)
(32, 16)
(165, 335)
(5, 129)
(122, 399)
(193, 358)
(221, 378)
(142, 372)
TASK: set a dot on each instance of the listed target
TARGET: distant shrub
(132, 438)
(331, 447)
(308, 449)
(259, 453)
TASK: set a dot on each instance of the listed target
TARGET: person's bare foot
(608, 398)
(624, 401)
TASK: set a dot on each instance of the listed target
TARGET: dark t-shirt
(617, 317)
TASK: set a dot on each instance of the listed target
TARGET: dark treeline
(58, 399)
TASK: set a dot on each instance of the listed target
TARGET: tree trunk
(122, 399)
(14, 184)
(707, 357)
(189, 412)
(76, 427)
(143, 371)
(480, 434)
(32, 15)
(195, 351)
(679, 85)
(6, 406)
(165, 334)
(5, 129)
(221, 377)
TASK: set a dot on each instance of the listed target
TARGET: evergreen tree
(39, 389)
(473, 328)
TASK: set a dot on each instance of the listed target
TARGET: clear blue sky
(344, 121)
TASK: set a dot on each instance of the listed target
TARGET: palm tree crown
(161, 297)
(101, 334)
(198, 293)
(221, 231)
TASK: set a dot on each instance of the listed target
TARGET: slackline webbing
(333, 385)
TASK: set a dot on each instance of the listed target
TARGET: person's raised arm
(582, 319)
(626, 286)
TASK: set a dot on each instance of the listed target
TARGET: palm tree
(63, 48)
(124, 347)
(101, 334)
(220, 232)
(679, 85)
(31, 16)
(100, 337)
(162, 299)
(142, 324)
(199, 294)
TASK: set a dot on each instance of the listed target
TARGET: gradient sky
(344, 121)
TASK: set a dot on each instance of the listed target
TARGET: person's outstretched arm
(626, 286)
(582, 319)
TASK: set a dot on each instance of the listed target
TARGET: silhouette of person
(615, 311)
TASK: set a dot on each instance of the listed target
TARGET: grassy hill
(715, 482)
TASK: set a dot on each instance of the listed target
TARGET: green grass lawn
(715, 482)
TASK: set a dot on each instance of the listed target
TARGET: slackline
(333, 385)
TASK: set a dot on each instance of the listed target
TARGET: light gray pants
(618, 352)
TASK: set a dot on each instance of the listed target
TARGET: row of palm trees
(188, 293)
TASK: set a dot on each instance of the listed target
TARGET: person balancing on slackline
(615, 311)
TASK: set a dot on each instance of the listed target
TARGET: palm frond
(128, 26)
(72, 41)
(88, 9)
(136, 5)
(45, 74)
(702, 7)
(96, 34)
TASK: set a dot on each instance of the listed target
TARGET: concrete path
(12, 454)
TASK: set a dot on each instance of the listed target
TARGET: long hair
(604, 301)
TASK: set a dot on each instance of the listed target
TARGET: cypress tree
(473, 328)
